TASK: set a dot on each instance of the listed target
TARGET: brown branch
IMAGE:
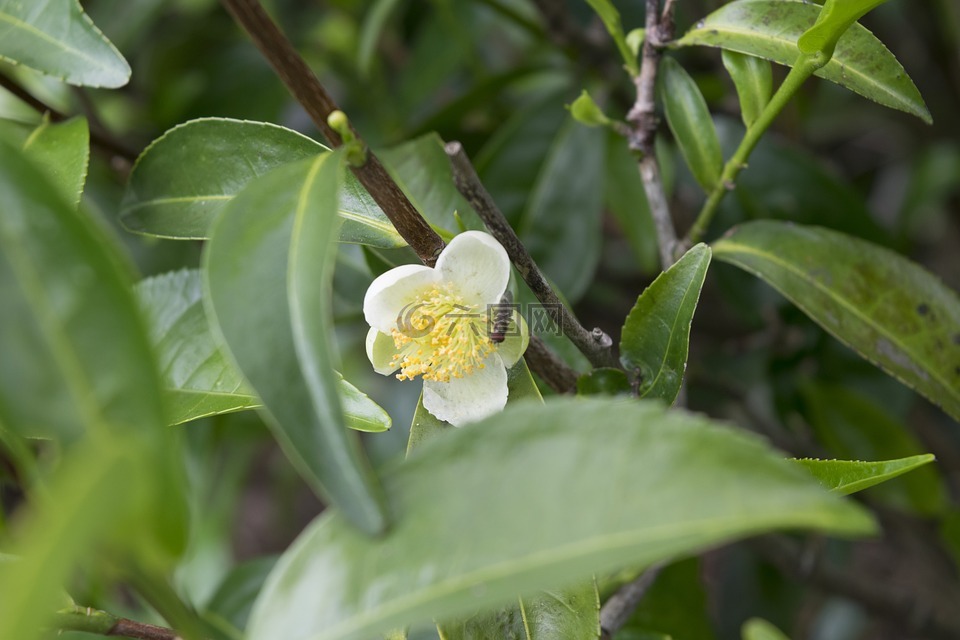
(306, 88)
(102, 623)
(621, 605)
(643, 117)
(595, 345)
(98, 136)
(900, 606)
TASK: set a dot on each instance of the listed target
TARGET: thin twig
(595, 345)
(621, 605)
(97, 136)
(643, 117)
(554, 371)
(102, 623)
(306, 88)
(897, 605)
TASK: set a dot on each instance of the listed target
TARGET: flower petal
(380, 351)
(477, 265)
(515, 342)
(394, 290)
(471, 398)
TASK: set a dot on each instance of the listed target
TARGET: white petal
(380, 351)
(477, 265)
(515, 342)
(394, 290)
(471, 398)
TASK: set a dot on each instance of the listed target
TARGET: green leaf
(422, 170)
(753, 80)
(611, 20)
(513, 158)
(360, 412)
(691, 124)
(853, 427)
(71, 333)
(627, 201)
(585, 111)
(468, 536)
(187, 175)
(770, 29)
(61, 150)
(849, 476)
(76, 361)
(561, 222)
(263, 251)
(309, 293)
(759, 629)
(603, 381)
(571, 613)
(200, 380)
(57, 38)
(888, 309)
(656, 334)
(835, 18)
(635, 40)
(559, 218)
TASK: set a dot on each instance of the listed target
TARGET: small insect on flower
(501, 316)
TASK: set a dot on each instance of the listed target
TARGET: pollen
(440, 337)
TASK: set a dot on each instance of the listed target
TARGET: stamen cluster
(439, 337)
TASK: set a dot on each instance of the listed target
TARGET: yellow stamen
(439, 337)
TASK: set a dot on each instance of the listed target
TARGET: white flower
(435, 323)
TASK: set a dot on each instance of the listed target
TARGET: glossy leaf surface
(656, 334)
(61, 150)
(57, 38)
(849, 476)
(770, 29)
(753, 80)
(570, 613)
(888, 309)
(691, 124)
(247, 272)
(484, 483)
(200, 380)
(187, 175)
(71, 330)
